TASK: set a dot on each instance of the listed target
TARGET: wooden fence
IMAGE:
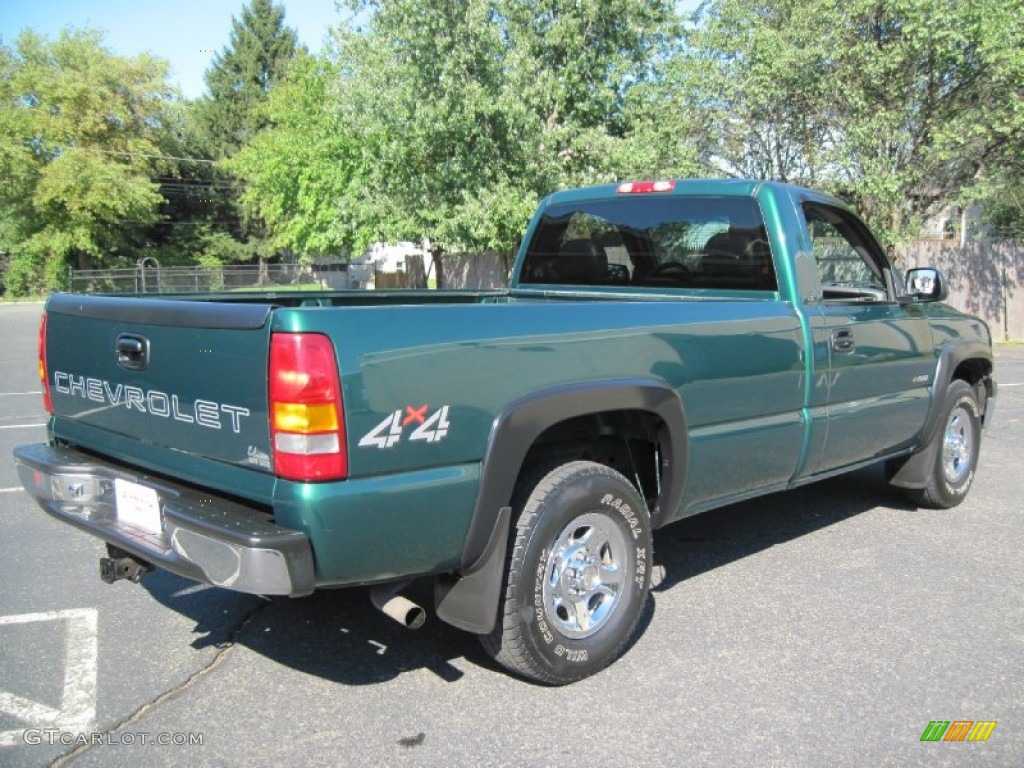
(985, 279)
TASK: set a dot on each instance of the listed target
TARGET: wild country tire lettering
(634, 526)
(538, 600)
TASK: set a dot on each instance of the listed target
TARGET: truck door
(880, 358)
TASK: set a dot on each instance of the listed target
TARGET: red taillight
(307, 424)
(638, 187)
(44, 376)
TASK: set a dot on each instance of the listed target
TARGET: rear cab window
(666, 242)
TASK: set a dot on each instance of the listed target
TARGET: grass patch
(23, 299)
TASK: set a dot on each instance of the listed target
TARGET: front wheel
(956, 454)
(578, 575)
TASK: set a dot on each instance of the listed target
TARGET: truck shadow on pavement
(338, 636)
(707, 541)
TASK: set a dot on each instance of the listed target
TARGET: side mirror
(926, 284)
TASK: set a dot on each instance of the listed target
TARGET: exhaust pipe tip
(401, 609)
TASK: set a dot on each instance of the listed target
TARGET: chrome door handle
(842, 340)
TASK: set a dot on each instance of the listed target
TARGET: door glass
(849, 261)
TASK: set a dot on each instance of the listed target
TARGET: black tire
(957, 443)
(578, 574)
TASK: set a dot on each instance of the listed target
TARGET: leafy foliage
(447, 122)
(78, 147)
(299, 168)
(895, 105)
(467, 112)
(240, 81)
(243, 74)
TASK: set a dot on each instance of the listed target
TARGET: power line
(140, 154)
(169, 184)
(121, 153)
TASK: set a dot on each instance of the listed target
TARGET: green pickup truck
(664, 348)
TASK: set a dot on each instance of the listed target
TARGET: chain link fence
(155, 279)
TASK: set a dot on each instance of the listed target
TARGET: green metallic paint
(225, 367)
(753, 371)
(219, 477)
(382, 528)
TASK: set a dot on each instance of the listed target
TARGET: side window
(850, 263)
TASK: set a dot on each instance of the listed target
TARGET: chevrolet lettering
(664, 348)
(204, 413)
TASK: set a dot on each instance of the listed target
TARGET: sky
(184, 32)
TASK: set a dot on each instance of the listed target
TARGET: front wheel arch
(948, 462)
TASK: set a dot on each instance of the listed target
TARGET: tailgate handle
(132, 352)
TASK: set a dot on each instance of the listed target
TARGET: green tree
(298, 169)
(892, 104)
(748, 85)
(576, 73)
(239, 80)
(198, 211)
(468, 111)
(1000, 182)
(78, 151)
(242, 76)
(1000, 193)
(421, 92)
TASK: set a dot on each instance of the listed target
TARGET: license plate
(137, 505)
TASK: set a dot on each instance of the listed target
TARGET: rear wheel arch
(519, 432)
(469, 599)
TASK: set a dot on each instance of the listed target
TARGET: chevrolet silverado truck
(664, 348)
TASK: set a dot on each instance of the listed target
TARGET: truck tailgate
(189, 376)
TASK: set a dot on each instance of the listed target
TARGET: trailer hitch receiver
(121, 565)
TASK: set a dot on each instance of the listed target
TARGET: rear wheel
(578, 574)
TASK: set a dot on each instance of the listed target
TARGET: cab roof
(693, 187)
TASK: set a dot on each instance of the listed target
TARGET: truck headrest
(582, 262)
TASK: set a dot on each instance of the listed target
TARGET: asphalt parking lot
(827, 626)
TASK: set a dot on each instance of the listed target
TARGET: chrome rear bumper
(201, 537)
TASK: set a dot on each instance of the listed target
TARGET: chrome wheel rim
(958, 446)
(585, 575)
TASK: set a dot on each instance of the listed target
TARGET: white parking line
(9, 490)
(14, 394)
(23, 426)
(1010, 385)
(77, 709)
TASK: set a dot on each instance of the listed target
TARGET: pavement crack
(102, 737)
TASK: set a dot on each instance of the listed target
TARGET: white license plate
(137, 505)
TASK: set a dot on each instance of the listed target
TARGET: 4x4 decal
(429, 429)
